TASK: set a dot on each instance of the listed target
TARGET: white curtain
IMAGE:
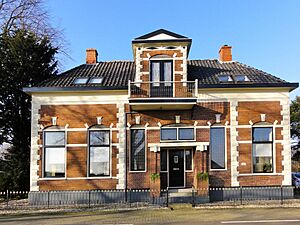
(155, 73)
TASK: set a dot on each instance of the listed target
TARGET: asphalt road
(182, 215)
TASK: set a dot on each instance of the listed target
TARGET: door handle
(175, 168)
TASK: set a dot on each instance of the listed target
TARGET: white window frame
(130, 150)
(225, 149)
(88, 153)
(177, 134)
(273, 148)
(49, 129)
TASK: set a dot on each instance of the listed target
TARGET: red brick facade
(76, 116)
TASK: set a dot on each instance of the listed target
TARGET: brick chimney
(225, 53)
(91, 56)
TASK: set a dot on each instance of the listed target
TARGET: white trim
(76, 145)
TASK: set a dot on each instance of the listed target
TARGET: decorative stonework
(34, 156)
(234, 143)
(121, 155)
(286, 153)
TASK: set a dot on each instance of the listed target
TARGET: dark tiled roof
(207, 72)
(114, 73)
(117, 73)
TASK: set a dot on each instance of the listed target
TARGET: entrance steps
(185, 195)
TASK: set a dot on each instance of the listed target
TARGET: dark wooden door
(176, 168)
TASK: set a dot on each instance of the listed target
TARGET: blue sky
(264, 33)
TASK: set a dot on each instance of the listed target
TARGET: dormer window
(225, 78)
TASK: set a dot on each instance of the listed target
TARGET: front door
(176, 168)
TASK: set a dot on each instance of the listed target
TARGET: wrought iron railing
(163, 89)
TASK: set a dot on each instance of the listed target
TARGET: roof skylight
(241, 78)
(81, 80)
(225, 78)
(96, 80)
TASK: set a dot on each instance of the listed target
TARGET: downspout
(126, 154)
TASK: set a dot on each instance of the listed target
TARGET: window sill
(78, 178)
(140, 171)
(216, 170)
(260, 174)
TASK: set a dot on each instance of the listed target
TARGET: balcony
(163, 95)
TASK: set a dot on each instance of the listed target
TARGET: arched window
(54, 149)
(262, 148)
(99, 151)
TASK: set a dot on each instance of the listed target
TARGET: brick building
(114, 125)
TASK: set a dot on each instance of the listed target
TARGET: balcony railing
(163, 89)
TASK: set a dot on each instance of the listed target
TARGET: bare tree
(29, 15)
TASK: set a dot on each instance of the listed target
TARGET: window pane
(163, 160)
(155, 72)
(169, 134)
(99, 161)
(99, 137)
(262, 158)
(55, 138)
(217, 148)
(186, 133)
(168, 73)
(54, 162)
(137, 150)
(262, 134)
(188, 159)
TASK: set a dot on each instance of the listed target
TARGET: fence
(144, 197)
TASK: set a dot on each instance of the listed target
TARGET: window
(81, 80)
(138, 154)
(54, 154)
(169, 134)
(163, 160)
(188, 159)
(262, 153)
(161, 71)
(217, 148)
(96, 80)
(99, 156)
(241, 78)
(186, 133)
(177, 134)
(225, 78)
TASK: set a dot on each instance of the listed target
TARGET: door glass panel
(163, 160)
(155, 73)
(188, 159)
(168, 73)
